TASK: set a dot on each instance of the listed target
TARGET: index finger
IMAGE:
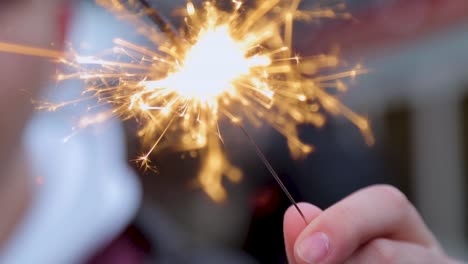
(293, 225)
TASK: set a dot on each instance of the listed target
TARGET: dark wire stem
(272, 171)
(160, 22)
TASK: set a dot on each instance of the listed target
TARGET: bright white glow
(210, 67)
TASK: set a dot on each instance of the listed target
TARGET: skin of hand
(38, 23)
(374, 225)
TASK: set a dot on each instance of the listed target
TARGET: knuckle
(393, 196)
(383, 252)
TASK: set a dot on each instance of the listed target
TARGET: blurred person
(45, 218)
(374, 225)
(35, 23)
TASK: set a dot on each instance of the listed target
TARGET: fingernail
(314, 248)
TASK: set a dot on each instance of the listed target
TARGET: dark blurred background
(415, 96)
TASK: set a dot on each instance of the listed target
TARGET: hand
(375, 225)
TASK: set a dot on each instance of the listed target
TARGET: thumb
(293, 225)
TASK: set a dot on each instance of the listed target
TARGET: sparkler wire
(272, 172)
(160, 22)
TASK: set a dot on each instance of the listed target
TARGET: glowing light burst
(236, 65)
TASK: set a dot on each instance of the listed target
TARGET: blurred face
(34, 23)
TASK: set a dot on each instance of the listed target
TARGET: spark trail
(235, 64)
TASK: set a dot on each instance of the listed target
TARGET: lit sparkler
(236, 65)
